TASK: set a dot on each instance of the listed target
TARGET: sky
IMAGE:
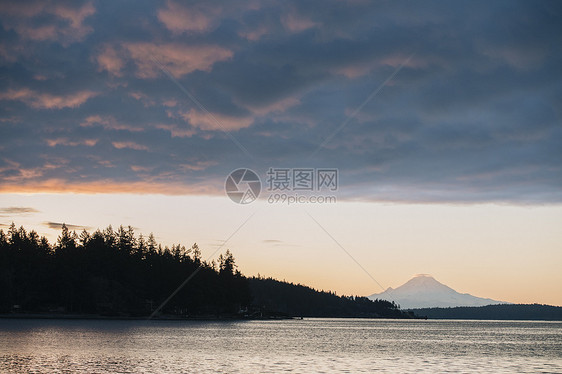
(442, 120)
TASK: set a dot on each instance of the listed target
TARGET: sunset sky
(443, 119)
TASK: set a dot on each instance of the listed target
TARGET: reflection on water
(307, 346)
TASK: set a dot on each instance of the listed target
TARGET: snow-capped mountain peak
(424, 291)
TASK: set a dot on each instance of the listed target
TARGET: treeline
(115, 273)
(529, 312)
(298, 300)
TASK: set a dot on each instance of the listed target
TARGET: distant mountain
(424, 291)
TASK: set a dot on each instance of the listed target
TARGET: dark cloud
(473, 116)
(58, 226)
(13, 210)
(279, 243)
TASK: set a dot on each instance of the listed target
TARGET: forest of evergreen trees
(298, 300)
(115, 273)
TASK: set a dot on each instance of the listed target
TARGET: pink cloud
(75, 15)
(130, 145)
(47, 101)
(109, 186)
(32, 180)
(138, 168)
(197, 166)
(176, 131)
(65, 25)
(297, 23)
(110, 61)
(110, 123)
(255, 33)
(39, 33)
(145, 99)
(17, 174)
(179, 59)
(20, 9)
(170, 103)
(195, 18)
(205, 121)
(65, 141)
(106, 163)
(356, 70)
(55, 163)
(276, 107)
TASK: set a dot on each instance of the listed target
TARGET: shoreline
(134, 318)
(55, 316)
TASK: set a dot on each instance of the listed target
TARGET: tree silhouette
(66, 240)
(115, 273)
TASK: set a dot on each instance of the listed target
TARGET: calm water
(307, 346)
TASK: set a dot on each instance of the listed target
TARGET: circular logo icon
(242, 186)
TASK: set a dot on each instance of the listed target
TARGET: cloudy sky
(420, 105)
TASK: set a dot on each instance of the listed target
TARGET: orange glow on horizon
(111, 187)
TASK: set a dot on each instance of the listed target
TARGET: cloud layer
(170, 97)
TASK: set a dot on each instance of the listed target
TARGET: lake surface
(291, 346)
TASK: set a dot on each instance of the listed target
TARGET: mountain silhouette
(424, 291)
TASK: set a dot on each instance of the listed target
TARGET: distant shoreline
(84, 317)
(55, 316)
(133, 318)
(498, 312)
